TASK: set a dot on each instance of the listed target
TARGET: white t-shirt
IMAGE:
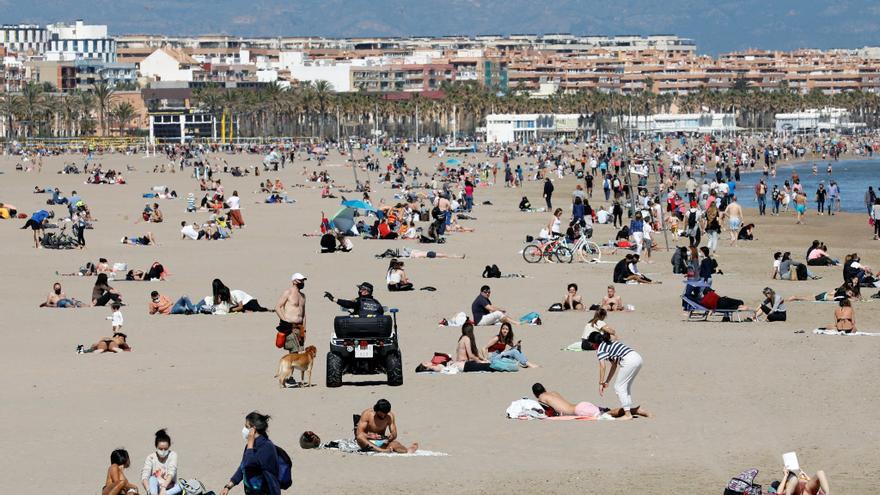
(239, 297)
(190, 232)
(116, 320)
(233, 202)
(593, 327)
(393, 277)
(602, 216)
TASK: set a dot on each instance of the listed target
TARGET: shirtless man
(291, 311)
(734, 214)
(572, 299)
(611, 301)
(57, 298)
(566, 408)
(370, 433)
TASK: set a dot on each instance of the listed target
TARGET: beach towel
(831, 331)
(350, 446)
(573, 347)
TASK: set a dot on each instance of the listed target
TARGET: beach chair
(698, 312)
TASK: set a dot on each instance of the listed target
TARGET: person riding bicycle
(364, 305)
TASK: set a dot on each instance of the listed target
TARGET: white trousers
(627, 369)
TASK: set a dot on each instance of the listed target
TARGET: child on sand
(116, 482)
(116, 319)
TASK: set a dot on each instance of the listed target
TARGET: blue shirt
(40, 216)
(259, 467)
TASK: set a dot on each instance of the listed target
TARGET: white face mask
(163, 453)
(245, 432)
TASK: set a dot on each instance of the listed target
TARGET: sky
(717, 26)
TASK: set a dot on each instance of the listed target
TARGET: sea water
(852, 176)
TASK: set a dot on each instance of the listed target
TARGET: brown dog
(302, 361)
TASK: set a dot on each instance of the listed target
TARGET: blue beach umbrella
(453, 161)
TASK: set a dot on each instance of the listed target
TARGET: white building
(509, 128)
(24, 38)
(815, 120)
(336, 73)
(79, 42)
(168, 64)
(662, 123)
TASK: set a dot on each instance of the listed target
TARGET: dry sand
(726, 396)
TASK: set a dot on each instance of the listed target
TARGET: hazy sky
(716, 26)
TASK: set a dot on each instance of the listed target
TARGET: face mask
(302, 284)
(245, 432)
(162, 453)
(58, 291)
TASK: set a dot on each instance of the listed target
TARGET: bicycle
(587, 250)
(553, 248)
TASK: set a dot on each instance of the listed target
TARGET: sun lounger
(698, 312)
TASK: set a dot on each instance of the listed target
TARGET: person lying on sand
(377, 431)
(116, 343)
(801, 484)
(562, 407)
(143, 240)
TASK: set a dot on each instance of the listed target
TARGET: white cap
(297, 276)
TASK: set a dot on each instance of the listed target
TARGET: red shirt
(710, 300)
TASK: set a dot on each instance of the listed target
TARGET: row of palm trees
(39, 112)
(313, 109)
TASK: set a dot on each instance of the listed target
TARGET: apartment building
(401, 77)
(79, 41)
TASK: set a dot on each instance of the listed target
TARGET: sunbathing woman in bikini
(116, 482)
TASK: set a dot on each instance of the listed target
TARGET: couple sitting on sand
(469, 358)
(573, 301)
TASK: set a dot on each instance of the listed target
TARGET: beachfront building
(525, 128)
(665, 123)
(181, 126)
(24, 38)
(79, 41)
(114, 74)
(401, 77)
(816, 120)
(169, 64)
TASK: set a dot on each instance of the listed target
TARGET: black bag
(492, 272)
(744, 484)
(801, 272)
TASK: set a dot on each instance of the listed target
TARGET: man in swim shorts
(291, 311)
(734, 214)
(377, 431)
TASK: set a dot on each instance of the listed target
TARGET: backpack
(692, 220)
(285, 468)
(192, 486)
(492, 272)
(744, 484)
(801, 271)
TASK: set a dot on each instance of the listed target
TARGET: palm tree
(104, 96)
(123, 113)
(9, 107)
(322, 91)
(33, 103)
(86, 103)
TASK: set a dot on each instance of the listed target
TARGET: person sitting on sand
(143, 240)
(611, 301)
(466, 355)
(116, 483)
(845, 317)
(556, 405)
(159, 474)
(502, 345)
(376, 431)
(772, 308)
(572, 300)
(485, 314)
(818, 256)
(58, 299)
(597, 324)
(156, 215)
(858, 273)
(102, 293)
(118, 342)
(746, 232)
(396, 277)
(633, 274)
(801, 484)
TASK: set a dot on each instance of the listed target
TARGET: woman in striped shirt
(629, 363)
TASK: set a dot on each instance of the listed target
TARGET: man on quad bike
(364, 305)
